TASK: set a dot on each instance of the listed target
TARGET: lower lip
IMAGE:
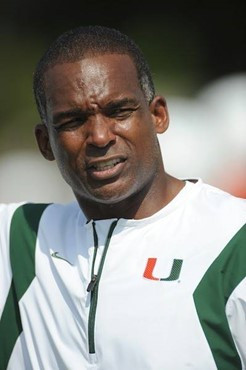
(108, 173)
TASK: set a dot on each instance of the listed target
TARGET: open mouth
(106, 165)
(104, 170)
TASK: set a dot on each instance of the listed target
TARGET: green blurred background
(188, 44)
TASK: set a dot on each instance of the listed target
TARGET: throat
(139, 205)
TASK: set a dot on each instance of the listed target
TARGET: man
(143, 271)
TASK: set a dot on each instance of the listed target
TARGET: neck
(145, 203)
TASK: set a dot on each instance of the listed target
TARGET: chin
(109, 198)
(107, 194)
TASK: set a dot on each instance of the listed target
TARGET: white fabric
(6, 213)
(236, 314)
(141, 324)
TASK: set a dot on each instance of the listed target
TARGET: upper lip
(104, 161)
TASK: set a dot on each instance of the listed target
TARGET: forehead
(96, 79)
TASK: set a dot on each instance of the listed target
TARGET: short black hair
(80, 42)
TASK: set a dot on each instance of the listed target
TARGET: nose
(100, 131)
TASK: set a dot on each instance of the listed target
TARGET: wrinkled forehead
(92, 76)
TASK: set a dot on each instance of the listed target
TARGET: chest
(142, 302)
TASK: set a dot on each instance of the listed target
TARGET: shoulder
(215, 214)
(6, 213)
(218, 203)
(35, 212)
(59, 215)
(226, 206)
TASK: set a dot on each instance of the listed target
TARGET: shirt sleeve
(6, 213)
(236, 315)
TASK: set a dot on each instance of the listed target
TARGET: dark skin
(103, 134)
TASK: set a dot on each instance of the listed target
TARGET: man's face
(101, 129)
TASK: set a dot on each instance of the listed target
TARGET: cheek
(136, 129)
(67, 152)
(126, 127)
(66, 144)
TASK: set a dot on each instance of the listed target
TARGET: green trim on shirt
(211, 296)
(23, 235)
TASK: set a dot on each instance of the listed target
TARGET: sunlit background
(196, 50)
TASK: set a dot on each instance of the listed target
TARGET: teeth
(106, 165)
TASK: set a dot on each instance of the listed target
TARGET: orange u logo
(174, 274)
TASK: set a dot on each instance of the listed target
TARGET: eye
(70, 125)
(121, 113)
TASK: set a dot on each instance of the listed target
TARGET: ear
(158, 109)
(42, 137)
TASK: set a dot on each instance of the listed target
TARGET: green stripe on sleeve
(10, 327)
(211, 296)
(23, 234)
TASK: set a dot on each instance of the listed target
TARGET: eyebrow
(112, 105)
(120, 103)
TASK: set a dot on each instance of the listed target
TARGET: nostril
(93, 150)
(101, 142)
